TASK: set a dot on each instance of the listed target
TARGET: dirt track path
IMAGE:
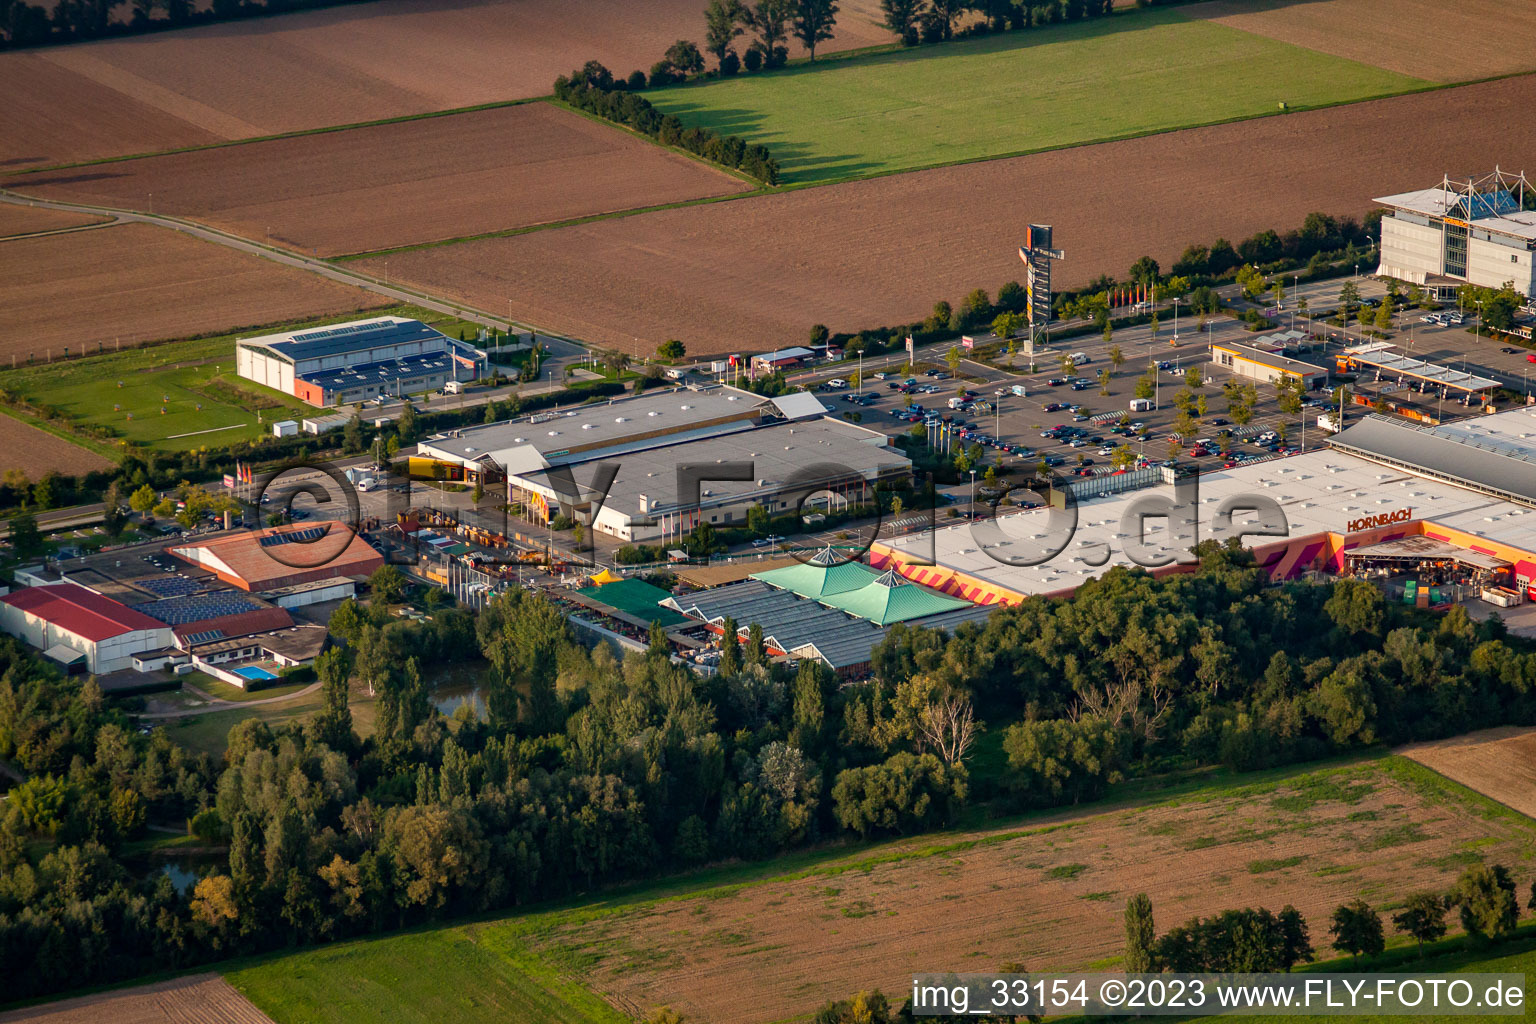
(220, 704)
(288, 259)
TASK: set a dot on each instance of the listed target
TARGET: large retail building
(1469, 486)
(743, 449)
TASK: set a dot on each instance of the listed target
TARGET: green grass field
(179, 396)
(1132, 74)
(467, 975)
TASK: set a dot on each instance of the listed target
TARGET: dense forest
(587, 770)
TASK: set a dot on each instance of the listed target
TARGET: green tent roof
(882, 598)
(636, 597)
(890, 598)
(818, 582)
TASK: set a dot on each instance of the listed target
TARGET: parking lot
(1010, 426)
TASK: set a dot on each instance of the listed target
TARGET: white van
(453, 387)
(1080, 359)
(1141, 405)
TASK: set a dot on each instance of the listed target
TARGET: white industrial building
(353, 362)
(79, 628)
(1478, 232)
(551, 462)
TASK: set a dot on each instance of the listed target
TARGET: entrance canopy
(1426, 549)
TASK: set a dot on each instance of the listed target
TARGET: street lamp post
(1175, 319)
(973, 494)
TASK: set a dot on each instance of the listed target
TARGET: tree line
(26, 24)
(1256, 941)
(592, 88)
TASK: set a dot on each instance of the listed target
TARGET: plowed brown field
(24, 220)
(196, 999)
(1050, 896)
(1498, 763)
(134, 283)
(36, 452)
(396, 184)
(1410, 36)
(754, 274)
(340, 65)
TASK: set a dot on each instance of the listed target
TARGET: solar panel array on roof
(308, 535)
(178, 611)
(385, 372)
(193, 639)
(352, 337)
(171, 586)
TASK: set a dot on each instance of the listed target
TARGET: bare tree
(950, 726)
(1140, 707)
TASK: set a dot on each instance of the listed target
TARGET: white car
(837, 382)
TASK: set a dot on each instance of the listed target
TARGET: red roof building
(82, 612)
(259, 560)
(78, 627)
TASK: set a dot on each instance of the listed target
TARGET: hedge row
(593, 89)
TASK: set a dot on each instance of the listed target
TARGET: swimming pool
(255, 672)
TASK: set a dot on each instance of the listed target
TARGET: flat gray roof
(1438, 202)
(550, 434)
(1478, 454)
(778, 454)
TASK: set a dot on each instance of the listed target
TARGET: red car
(1531, 358)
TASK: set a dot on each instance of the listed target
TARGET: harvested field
(1498, 763)
(132, 283)
(403, 183)
(754, 274)
(36, 452)
(1394, 34)
(319, 68)
(24, 220)
(195, 999)
(53, 114)
(1050, 895)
